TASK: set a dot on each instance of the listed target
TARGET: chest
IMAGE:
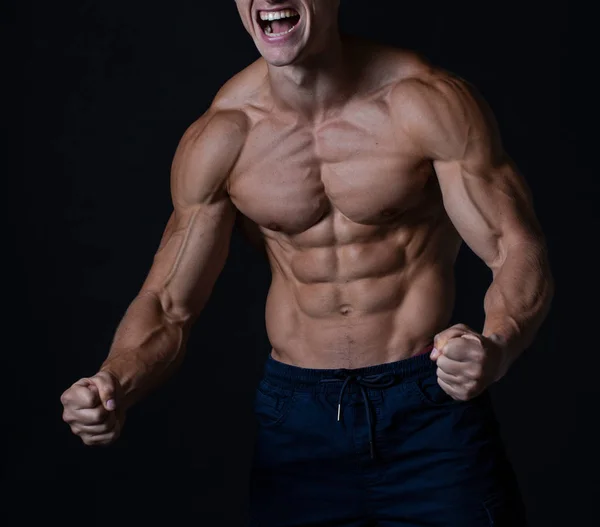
(289, 177)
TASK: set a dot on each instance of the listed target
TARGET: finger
(440, 340)
(449, 379)
(81, 396)
(448, 351)
(448, 388)
(93, 430)
(107, 389)
(450, 366)
(91, 416)
(463, 349)
(457, 351)
(99, 440)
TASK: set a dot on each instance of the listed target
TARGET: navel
(345, 309)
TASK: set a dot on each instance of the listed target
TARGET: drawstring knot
(364, 382)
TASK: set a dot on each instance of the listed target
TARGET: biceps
(191, 255)
(491, 207)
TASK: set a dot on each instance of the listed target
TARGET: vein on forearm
(146, 346)
(518, 299)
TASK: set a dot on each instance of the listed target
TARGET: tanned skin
(360, 169)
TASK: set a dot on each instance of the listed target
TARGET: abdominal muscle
(360, 304)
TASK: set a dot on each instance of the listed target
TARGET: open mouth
(278, 23)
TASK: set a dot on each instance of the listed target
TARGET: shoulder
(244, 90)
(411, 81)
(207, 153)
(216, 138)
(210, 146)
(428, 90)
(228, 114)
(441, 110)
(227, 117)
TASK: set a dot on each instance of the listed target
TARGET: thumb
(441, 339)
(106, 389)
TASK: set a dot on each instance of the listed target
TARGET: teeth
(269, 31)
(277, 15)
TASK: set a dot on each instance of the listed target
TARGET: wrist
(503, 349)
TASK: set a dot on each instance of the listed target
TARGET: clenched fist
(92, 409)
(467, 362)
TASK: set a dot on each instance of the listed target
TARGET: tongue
(280, 26)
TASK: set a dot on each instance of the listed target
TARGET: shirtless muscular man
(362, 169)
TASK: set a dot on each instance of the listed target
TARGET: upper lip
(272, 9)
(278, 8)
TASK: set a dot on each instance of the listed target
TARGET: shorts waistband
(403, 370)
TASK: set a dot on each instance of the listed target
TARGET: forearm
(148, 346)
(518, 300)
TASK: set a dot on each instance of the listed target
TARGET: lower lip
(280, 39)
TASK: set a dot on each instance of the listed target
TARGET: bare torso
(359, 169)
(361, 249)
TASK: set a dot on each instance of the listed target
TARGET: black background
(102, 92)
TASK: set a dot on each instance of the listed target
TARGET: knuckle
(101, 428)
(97, 416)
(478, 355)
(88, 398)
(106, 427)
(82, 397)
(476, 372)
(94, 440)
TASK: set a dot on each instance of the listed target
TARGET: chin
(289, 54)
(279, 60)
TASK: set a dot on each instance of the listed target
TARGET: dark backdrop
(108, 87)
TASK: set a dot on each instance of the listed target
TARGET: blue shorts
(403, 453)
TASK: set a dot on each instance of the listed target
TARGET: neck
(320, 83)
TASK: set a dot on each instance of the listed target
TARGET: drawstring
(382, 380)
